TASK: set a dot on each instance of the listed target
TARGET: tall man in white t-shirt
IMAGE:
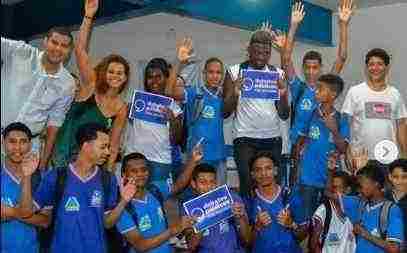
(257, 120)
(377, 109)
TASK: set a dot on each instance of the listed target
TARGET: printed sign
(210, 208)
(148, 107)
(260, 84)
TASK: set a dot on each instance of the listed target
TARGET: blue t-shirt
(369, 219)
(79, 225)
(208, 125)
(304, 97)
(150, 218)
(16, 236)
(223, 237)
(274, 237)
(319, 144)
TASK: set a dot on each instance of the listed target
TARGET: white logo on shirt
(144, 223)
(72, 205)
(96, 200)
(314, 132)
(208, 112)
(306, 104)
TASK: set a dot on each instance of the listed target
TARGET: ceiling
(21, 19)
(332, 4)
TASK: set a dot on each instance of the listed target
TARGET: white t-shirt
(151, 139)
(255, 118)
(374, 114)
(340, 237)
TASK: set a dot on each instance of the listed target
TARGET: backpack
(383, 218)
(45, 235)
(125, 246)
(197, 108)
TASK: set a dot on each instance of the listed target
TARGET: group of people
(79, 174)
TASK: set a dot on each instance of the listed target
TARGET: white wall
(384, 27)
(154, 35)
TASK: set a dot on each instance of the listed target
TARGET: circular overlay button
(386, 151)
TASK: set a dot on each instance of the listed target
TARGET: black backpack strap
(129, 208)
(155, 191)
(60, 186)
(384, 218)
(327, 221)
(35, 180)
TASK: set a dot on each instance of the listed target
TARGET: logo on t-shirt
(72, 205)
(96, 200)
(144, 223)
(333, 239)
(378, 110)
(306, 104)
(208, 112)
(314, 132)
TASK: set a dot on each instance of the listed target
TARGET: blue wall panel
(248, 14)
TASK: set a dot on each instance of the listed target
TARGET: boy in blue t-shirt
(87, 203)
(276, 216)
(374, 235)
(326, 132)
(18, 232)
(203, 107)
(303, 92)
(230, 235)
(143, 222)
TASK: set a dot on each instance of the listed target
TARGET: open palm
(345, 11)
(297, 13)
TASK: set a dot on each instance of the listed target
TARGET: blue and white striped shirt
(28, 93)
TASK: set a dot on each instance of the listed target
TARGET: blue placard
(260, 84)
(148, 107)
(210, 208)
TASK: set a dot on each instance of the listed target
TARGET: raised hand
(263, 219)
(91, 7)
(237, 84)
(297, 13)
(127, 191)
(345, 11)
(358, 158)
(169, 114)
(184, 49)
(30, 164)
(185, 223)
(197, 153)
(238, 210)
(267, 27)
(284, 218)
(279, 40)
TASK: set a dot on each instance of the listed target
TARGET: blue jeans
(244, 149)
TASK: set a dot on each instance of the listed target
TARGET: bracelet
(87, 17)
